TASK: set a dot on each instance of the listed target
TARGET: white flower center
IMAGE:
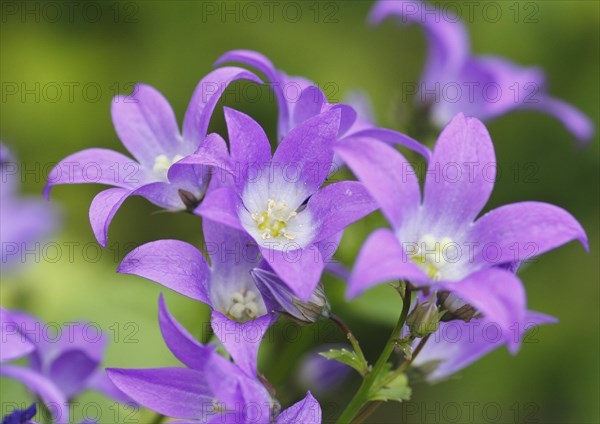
(273, 222)
(433, 255)
(243, 305)
(162, 165)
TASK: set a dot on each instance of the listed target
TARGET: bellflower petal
(307, 411)
(100, 382)
(443, 356)
(146, 125)
(221, 205)
(205, 98)
(50, 394)
(70, 370)
(307, 150)
(181, 343)
(174, 392)
(174, 264)
(574, 120)
(101, 166)
(447, 39)
(264, 65)
(301, 269)
(13, 344)
(338, 205)
(250, 148)
(242, 340)
(520, 231)
(498, 294)
(382, 259)
(386, 174)
(393, 138)
(461, 174)
(103, 209)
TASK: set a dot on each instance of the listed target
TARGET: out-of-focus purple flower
(319, 374)
(458, 344)
(63, 361)
(277, 198)
(24, 220)
(455, 80)
(147, 127)
(299, 99)
(437, 242)
(21, 416)
(211, 388)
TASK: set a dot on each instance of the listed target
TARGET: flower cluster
(272, 220)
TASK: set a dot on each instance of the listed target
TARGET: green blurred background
(171, 45)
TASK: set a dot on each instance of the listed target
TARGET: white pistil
(243, 305)
(273, 221)
(162, 164)
(430, 254)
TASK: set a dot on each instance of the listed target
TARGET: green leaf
(396, 389)
(346, 357)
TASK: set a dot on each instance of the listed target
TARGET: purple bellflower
(147, 127)
(21, 416)
(62, 364)
(437, 242)
(458, 344)
(299, 99)
(23, 220)
(211, 389)
(483, 86)
(277, 198)
(226, 285)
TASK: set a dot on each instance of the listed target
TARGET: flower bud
(279, 298)
(456, 308)
(424, 319)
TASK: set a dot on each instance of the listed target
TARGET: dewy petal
(447, 38)
(174, 392)
(146, 125)
(382, 259)
(181, 343)
(13, 344)
(52, 397)
(300, 269)
(496, 293)
(520, 231)
(461, 174)
(242, 340)
(575, 121)
(274, 78)
(96, 166)
(249, 146)
(338, 205)
(393, 138)
(205, 98)
(305, 154)
(174, 264)
(386, 174)
(458, 344)
(307, 411)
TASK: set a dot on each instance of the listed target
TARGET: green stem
(362, 395)
(350, 336)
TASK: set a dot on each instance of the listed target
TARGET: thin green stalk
(158, 419)
(350, 336)
(362, 395)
